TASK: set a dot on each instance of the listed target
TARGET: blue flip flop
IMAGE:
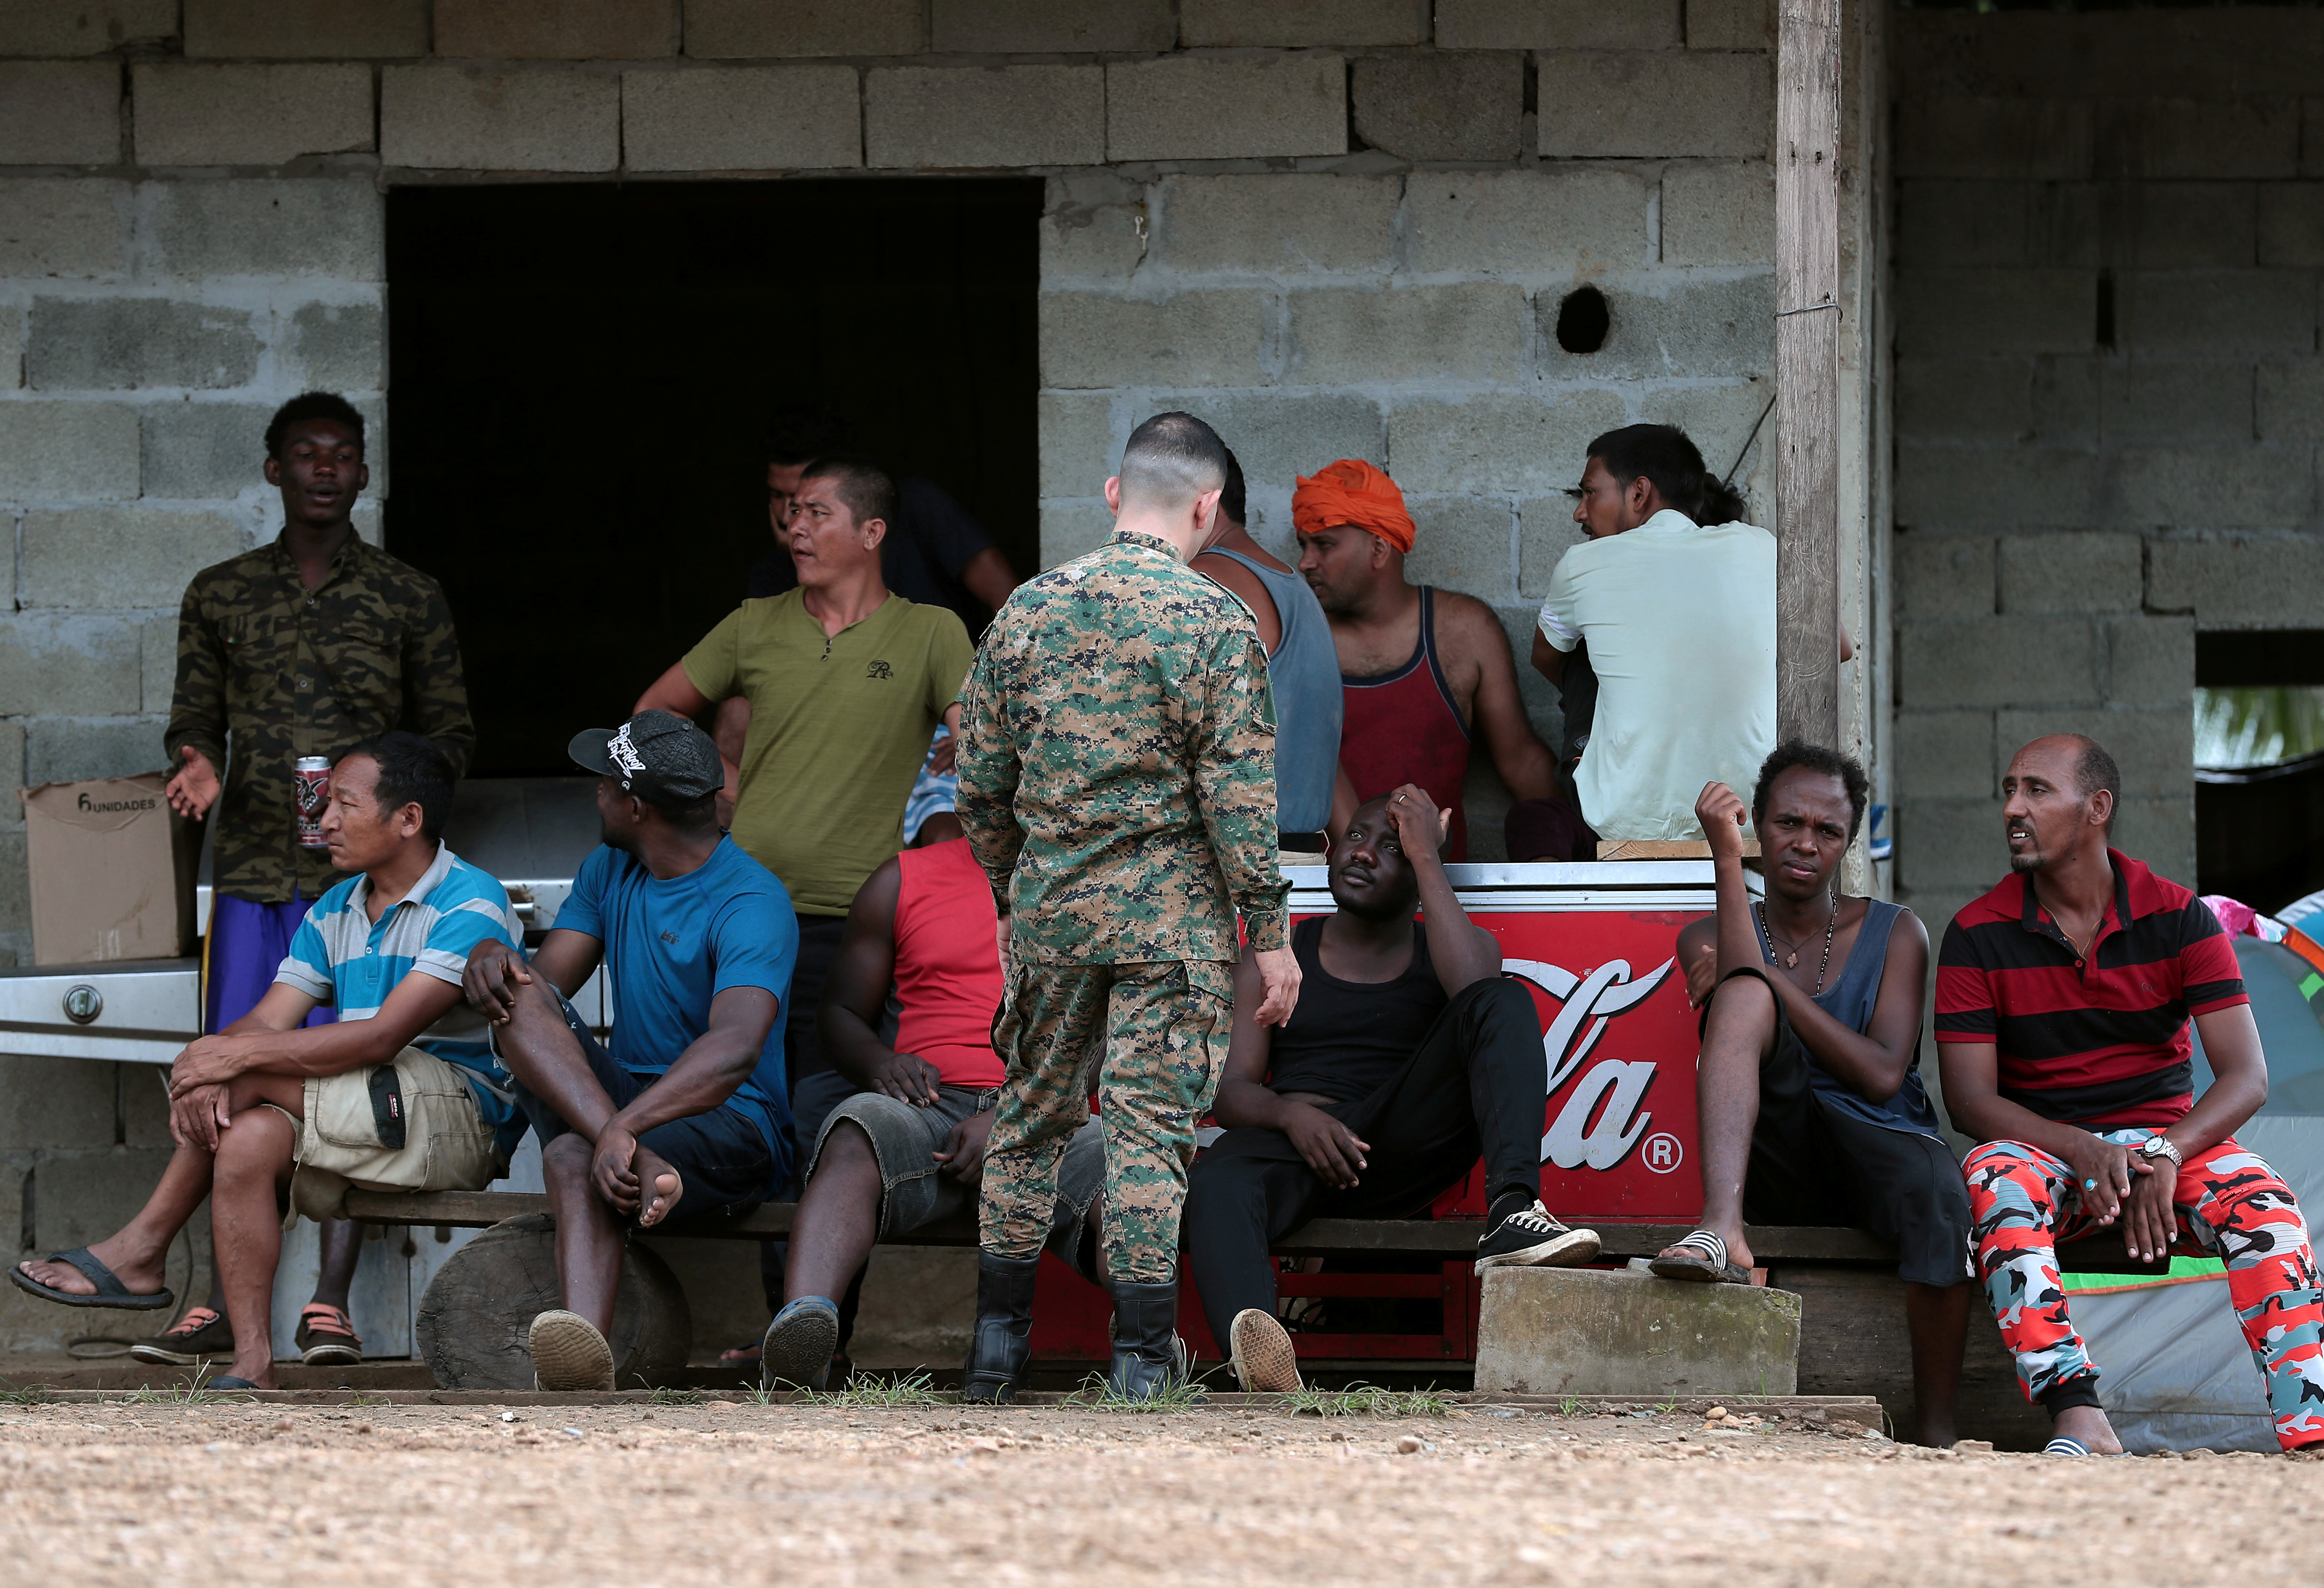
(2061, 1445)
(110, 1291)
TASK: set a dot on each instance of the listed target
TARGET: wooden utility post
(1807, 370)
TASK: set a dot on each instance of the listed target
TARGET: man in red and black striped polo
(2063, 1004)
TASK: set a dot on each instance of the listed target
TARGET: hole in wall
(1582, 320)
(2105, 329)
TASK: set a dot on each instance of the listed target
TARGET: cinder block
(1464, 543)
(555, 29)
(1623, 1332)
(1290, 223)
(144, 1105)
(1965, 399)
(68, 663)
(2150, 661)
(157, 659)
(2205, 139)
(2036, 137)
(1961, 313)
(15, 898)
(111, 557)
(62, 227)
(1024, 27)
(1070, 528)
(66, 750)
(1557, 24)
(1517, 444)
(1474, 331)
(1080, 443)
(2209, 488)
(2066, 400)
(475, 118)
(1940, 487)
(2239, 581)
(12, 347)
(1719, 419)
(1974, 661)
(2154, 747)
(305, 30)
(2175, 401)
(748, 29)
(968, 117)
(1545, 534)
(85, 1198)
(1655, 104)
(2213, 313)
(1094, 226)
(92, 27)
(1720, 214)
(1946, 754)
(54, 1105)
(187, 115)
(1444, 104)
(2292, 220)
(323, 226)
(1689, 327)
(2214, 52)
(1278, 436)
(1527, 223)
(1944, 575)
(68, 452)
(1190, 339)
(339, 347)
(2194, 224)
(11, 776)
(1942, 222)
(1948, 846)
(128, 343)
(2291, 400)
(1226, 107)
(2162, 833)
(2076, 573)
(1730, 25)
(198, 451)
(742, 119)
(1300, 24)
(60, 112)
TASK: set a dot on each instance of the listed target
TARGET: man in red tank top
(1426, 671)
(908, 1149)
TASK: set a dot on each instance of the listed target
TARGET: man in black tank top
(1811, 1099)
(1410, 1058)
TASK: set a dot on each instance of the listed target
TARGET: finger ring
(2090, 1184)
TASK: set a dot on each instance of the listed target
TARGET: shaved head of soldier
(1171, 460)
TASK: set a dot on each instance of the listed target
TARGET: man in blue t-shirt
(688, 1110)
(399, 1094)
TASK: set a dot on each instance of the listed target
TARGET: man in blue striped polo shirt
(401, 1094)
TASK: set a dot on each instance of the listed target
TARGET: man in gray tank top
(1812, 1111)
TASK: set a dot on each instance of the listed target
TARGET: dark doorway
(2259, 765)
(580, 377)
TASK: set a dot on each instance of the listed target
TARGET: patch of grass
(666, 1395)
(29, 1395)
(1569, 1407)
(1098, 1394)
(1368, 1400)
(371, 1401)
(195, 1391)
(913, 1389)
(1666, 1408)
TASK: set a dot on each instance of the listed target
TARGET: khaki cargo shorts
(411, 1124)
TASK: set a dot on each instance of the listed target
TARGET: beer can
(311, 791)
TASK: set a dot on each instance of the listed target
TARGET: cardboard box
(113, 870)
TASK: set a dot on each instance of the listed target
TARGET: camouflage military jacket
(276, 671)
(1117, 763)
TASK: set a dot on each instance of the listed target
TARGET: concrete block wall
(2109, 253)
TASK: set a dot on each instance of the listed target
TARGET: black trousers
(1476, 1087)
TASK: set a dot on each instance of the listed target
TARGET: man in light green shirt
(846, 682)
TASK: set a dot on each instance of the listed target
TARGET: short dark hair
(1664, 455)
(688, 817)
(310, 405)
(411, 771)
(1233, 495)
(862, 485)
(807, 432)
(1172, 458)
(2095, 769)
(1814, 758)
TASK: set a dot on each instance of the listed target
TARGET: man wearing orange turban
(1423, 671)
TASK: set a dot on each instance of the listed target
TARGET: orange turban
(1351, 492)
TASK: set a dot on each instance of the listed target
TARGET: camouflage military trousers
(1157, 1035)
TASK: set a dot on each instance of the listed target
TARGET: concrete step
(1621, 1331)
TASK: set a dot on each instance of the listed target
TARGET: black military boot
(1148, 1358)
(1004, 1328)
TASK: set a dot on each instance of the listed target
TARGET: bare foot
(1934, 1432)
(2088, 1425)
(140, 1274)
(740, 1356)
(1738, 1249)
(659, 1189)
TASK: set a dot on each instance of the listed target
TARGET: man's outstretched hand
(1278, 974)
(1722, 814)
(195, 789)
(493, 973)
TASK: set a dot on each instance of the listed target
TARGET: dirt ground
(726, 1493)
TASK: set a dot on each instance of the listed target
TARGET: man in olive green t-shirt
(846, 682)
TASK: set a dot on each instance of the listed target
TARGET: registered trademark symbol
(1663, 1152)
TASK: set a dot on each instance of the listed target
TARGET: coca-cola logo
(1602, 1121)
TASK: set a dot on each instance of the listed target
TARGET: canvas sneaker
(1532, 1238)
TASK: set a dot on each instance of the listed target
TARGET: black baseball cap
(656, 755)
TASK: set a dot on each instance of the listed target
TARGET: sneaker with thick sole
(1532, 1238)
(568, 1354)
(201, 1336)
(796, 1353)
(327, 1336)
(1264, 1360)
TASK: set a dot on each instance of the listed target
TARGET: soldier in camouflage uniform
(300, 648)
(1117, 783)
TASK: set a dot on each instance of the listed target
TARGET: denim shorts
(906, 1137)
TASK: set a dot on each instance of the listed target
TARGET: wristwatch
(2160, 1146)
